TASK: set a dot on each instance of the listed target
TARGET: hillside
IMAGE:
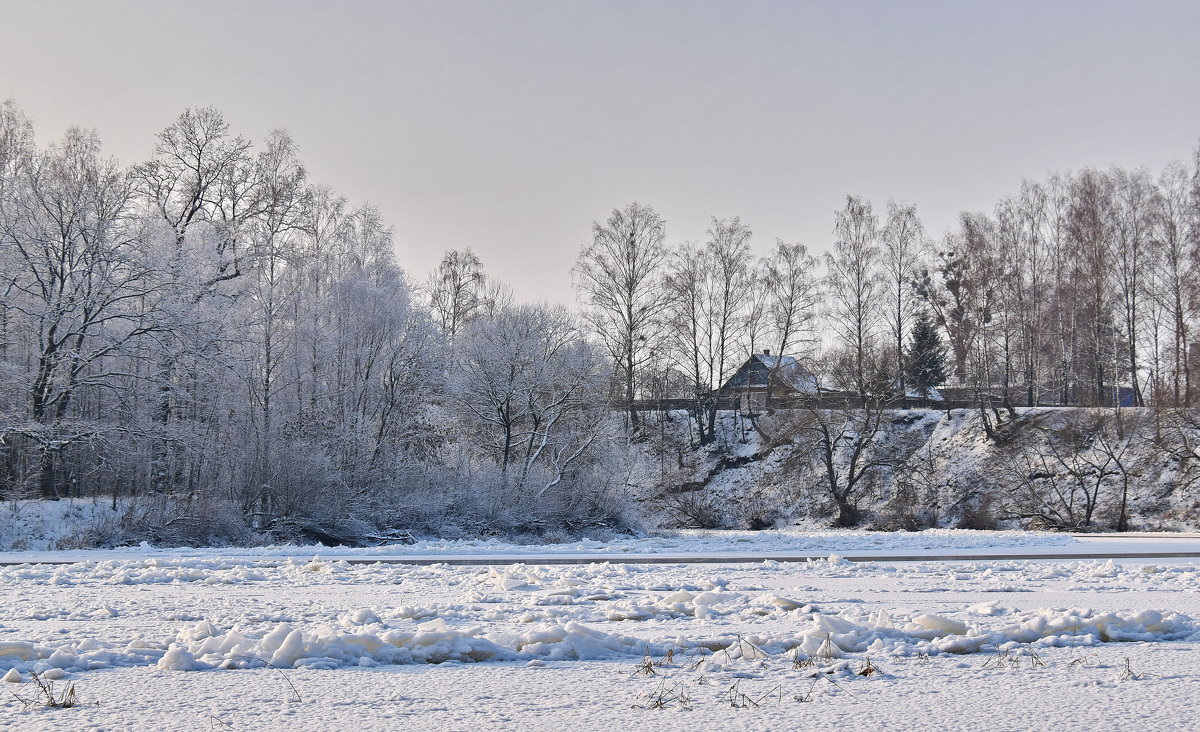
(1039, 468)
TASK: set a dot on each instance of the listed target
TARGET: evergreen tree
(925, 362)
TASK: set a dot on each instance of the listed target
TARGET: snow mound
(203, 646)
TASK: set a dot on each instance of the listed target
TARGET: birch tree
(793, 288)
(457, 291)
(854, 288)
(620, 277)
(1178, 278)
(1133, 223)
(903, 239)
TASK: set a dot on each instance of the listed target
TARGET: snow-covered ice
(783, 542)
(187, 641)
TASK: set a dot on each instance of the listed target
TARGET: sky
(508, 127)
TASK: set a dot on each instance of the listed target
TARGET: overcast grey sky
(509, 126)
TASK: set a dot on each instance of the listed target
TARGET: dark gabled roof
(784, 370)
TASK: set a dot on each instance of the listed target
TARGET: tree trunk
(47, 477)
(848, 514)
(633, 415)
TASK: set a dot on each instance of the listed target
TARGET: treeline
(1082, 290)
(228, 349)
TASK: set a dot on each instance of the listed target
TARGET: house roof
(772, 362)
(783, 370)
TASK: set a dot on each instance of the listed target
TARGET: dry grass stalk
(645, 668)
(754, 651)
(268, 664)
(1128, 674)
(740, 700)
(1089, 659)
(47, 697)
(828, 651)
(808, 695)
(826, 675)
(801, 660)
(868, 668)
(1012, 659)
(667, 697)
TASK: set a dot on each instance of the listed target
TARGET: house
(780, 382)
(764, 378)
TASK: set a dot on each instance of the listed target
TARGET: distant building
(765, 378)
(780, 382)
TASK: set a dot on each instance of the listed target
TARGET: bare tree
(689, 326)
(728, 254)
(841, 439)
(854, 286)
(457, 290)
(620, 276)
(904, 247)
(757, 310)
(1063, 477)
(993, 285)
(1090, 235)
(1064, 303)
(1172, 233)
(1133, 223)
(1022, 224)
(790, 275)
(496, 296)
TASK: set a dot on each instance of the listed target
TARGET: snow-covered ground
(268, 640)
(36, 530)
(780, 544)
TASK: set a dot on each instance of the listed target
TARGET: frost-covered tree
(80, 276)
(16, 152)
(528, 385)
